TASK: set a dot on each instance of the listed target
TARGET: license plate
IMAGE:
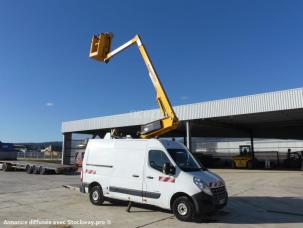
(221, 201)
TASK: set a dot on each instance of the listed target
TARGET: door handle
(150, 177)
(135, 175)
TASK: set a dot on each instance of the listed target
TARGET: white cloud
(49, 104)
(183, 98)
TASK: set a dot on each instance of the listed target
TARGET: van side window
(157, 159)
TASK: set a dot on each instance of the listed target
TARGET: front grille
(219, 193)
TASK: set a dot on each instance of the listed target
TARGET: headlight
(202, 186)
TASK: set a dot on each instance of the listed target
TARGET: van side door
(158, 186)
(127, 175)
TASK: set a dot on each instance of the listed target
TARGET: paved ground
(257, 199)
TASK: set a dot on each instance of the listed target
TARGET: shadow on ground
(258, 210)
(239, 210)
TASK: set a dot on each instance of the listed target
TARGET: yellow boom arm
(101, 51)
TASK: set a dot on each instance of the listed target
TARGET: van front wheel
(96, 195)
(183, 208)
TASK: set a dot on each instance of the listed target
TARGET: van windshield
(184, 160)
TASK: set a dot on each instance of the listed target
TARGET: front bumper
(205, 203)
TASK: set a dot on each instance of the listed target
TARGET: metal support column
(188, 135)
(66, 148)
(252, 145)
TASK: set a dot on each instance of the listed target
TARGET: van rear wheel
(183, 208)
(96, 195)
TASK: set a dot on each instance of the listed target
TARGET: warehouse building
(274, 115)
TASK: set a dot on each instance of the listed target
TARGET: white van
(151, 171)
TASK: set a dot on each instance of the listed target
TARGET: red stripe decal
(90, 171)
(167, 179)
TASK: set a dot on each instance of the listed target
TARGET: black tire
(42, 170)
(96, 195)
(29, 169)
(5, 167)
(183, 208)
(35, 170)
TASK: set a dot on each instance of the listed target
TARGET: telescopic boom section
(101, 51)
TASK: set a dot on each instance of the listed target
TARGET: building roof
(238, 114)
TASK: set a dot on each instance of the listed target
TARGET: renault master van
(162, 173)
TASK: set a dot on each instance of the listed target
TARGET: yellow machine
(101, 50)
(245, 159)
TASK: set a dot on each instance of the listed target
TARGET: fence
(37, 155)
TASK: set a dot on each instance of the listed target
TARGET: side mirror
(168, 169)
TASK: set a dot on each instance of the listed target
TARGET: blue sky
(202, 50)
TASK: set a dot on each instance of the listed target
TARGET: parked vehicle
(10, 162)
(245, 159)
(7, 151)
(36, 167)
(162, 173)
(294, 160)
